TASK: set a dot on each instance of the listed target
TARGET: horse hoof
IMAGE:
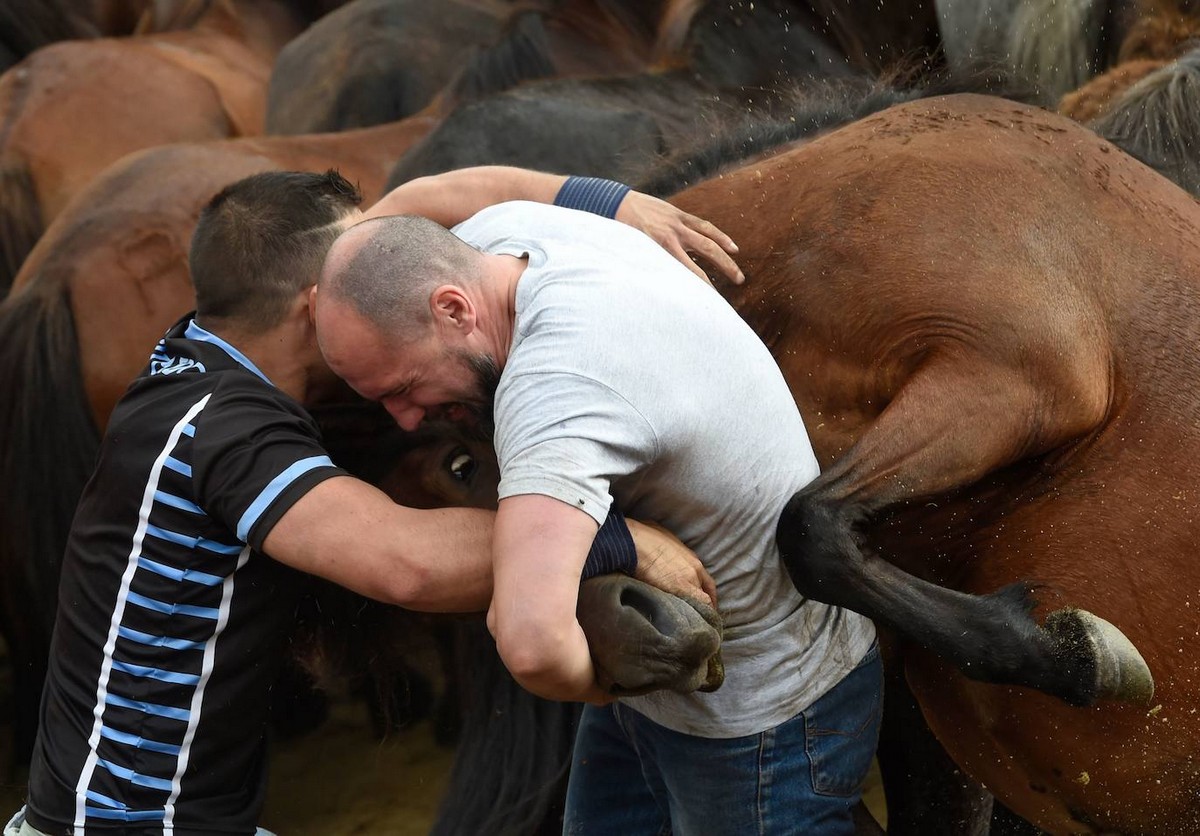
(1121, 673)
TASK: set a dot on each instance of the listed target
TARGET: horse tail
(1055, 45)
(510, 770)
(48, 443)
(1157, 121)
(20, 219)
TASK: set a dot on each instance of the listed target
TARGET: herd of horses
(985, 310)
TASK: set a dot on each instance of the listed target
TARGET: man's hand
(680, 233)
(669, 565)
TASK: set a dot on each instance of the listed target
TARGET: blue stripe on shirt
(173, 609)
(136, 778)
(272, 491)
(156, 673)
(158, 641)
(170, 712)
(174, 574)
(137, 742)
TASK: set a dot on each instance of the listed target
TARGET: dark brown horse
(73, 108)
(27, 25)
(377, 61)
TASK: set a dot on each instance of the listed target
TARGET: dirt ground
(339, 779)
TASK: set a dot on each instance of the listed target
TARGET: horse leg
(955, 421)
(927, 794)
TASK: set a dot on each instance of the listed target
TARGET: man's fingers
(711, 252)
(681, 254)
(710, 231)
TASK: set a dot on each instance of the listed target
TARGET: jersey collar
(195, 332)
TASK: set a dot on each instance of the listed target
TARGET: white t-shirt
(629, 378)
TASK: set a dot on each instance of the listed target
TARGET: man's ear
(452, 309)
(312, 305)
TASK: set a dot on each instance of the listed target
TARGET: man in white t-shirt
(611, 373)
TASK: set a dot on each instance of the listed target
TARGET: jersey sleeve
(255, 453)
(566, 436)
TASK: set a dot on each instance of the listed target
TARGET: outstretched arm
(454, 196)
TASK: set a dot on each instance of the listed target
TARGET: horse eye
(461, 464)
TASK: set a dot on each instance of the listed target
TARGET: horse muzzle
(643, 639)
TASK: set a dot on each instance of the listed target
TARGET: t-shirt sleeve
(254, 455)
(567, 436)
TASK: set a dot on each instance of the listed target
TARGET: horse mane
(1157, 121)
(810, 110)
(1055, 45)
(510, 766)
(522, 53)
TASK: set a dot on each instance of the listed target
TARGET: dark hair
(262, 240)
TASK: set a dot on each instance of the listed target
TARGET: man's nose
(408, 416)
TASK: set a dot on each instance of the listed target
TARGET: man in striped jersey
(211, 490)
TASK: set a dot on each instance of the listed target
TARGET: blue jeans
(633, 777)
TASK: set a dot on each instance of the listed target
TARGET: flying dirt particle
(1154, 710)
(1083, 778)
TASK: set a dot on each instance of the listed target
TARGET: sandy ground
(339, 779)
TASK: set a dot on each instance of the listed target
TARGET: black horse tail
(48, 445)
(20, 219)
(510, 771)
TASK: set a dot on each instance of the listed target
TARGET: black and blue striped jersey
(171, 622)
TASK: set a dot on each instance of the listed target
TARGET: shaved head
(387, 268)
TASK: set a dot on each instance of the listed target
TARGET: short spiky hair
(262, 240)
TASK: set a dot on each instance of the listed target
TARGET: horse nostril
(638, 601)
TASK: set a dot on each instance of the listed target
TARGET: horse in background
(204, 76)
(27, 25)
(377, 61)
(1147, 104)
(718, 63)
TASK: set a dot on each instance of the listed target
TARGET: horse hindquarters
(954, 422)
(48, 444)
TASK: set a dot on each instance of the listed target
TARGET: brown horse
(1000, 399)
(73, 108)
(94, 295)
(1001, 394)
(377, 61)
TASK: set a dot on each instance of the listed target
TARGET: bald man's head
(387, 268)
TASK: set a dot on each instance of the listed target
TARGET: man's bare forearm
(453, 197)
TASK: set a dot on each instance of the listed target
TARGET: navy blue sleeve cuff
(612, 550)
(592, 194)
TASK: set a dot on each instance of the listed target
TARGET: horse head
(642, 639)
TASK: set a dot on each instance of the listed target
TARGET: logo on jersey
(174, 365)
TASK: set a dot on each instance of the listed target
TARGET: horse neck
(365, 156)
